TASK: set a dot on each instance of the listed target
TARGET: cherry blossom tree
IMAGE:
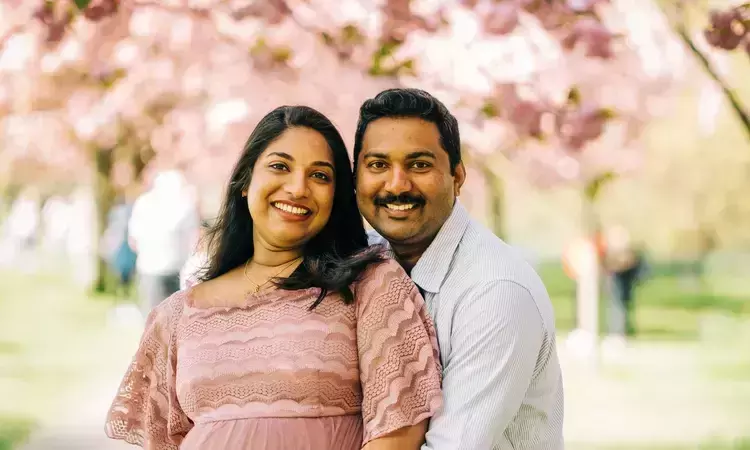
(559, 88)
(729, 29)
(525, 64)
(719, 33)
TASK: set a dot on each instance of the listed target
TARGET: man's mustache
(404, 198)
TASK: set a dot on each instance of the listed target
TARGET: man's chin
(397, 236)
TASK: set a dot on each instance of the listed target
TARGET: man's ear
(459, 176)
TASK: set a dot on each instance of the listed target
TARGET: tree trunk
(104, 198)
(589, 283)
(6, 199)
(139, 161)
(496, 199)
(590, 271)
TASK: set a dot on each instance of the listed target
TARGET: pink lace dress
(271, 374)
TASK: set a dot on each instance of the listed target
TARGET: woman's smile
(291, 211)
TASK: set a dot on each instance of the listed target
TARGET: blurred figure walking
(625, 267)
(162, 230)
(194, 267)
(117, 251)
(20, 231)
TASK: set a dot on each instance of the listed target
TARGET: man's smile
(400, 211)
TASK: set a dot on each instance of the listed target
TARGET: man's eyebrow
(421, 154)
(412, 155)
(375, 155)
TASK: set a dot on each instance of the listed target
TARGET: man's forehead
(401, 127)
(399, 137)
(406, 152)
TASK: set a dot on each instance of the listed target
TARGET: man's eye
(421, 165)
(377, 165)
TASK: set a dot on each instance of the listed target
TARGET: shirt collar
(430, 271)
(433, 265)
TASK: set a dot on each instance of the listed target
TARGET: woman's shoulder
(162, 320)
(382, 277)
(385, 269)
(170, 309)
(221, 291)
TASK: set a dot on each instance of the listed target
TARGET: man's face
(405, 188)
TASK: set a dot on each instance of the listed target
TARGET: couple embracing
(306, 333)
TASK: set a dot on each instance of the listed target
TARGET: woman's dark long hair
(336, 256)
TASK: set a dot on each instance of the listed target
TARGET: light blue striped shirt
(502, 383)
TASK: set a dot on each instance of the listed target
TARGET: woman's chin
(289, 243)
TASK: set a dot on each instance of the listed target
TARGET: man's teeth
(291, 209)
(400, 207)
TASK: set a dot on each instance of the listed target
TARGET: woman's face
(290, 196)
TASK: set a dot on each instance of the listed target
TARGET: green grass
(669, 395)
(12, 431)
(742, 444)
(52, 339)
(668, 306)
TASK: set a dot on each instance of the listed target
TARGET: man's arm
(495, 343)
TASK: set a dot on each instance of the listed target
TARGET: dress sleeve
(398, 353)
(146, 411)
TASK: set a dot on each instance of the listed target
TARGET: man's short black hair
(411, 103)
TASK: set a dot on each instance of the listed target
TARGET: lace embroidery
(145, 411)
(275, 358)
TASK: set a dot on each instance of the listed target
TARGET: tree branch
(734, 101)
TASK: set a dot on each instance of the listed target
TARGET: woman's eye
(278, 166)
(321, 176)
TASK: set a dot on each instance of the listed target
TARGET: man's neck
(408, 254)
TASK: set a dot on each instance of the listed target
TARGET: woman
(299, 336)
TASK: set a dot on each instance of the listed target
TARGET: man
(162, 230)
(495, 324)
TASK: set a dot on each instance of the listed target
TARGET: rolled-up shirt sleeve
(496, 341)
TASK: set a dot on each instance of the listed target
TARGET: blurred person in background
(195, 265)
(495, 323)
(116, 249)
(162, 230)
(56, 224)
(21, 229)
(625, 266)
(299, 336)
(80, 247)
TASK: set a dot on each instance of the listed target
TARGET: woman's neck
(271, 257)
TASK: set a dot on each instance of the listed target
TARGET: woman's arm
(399, 361)
(407, 438)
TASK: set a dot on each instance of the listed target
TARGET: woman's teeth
(292, 209)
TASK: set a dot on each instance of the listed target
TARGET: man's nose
(399, 182)
(296, 185)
